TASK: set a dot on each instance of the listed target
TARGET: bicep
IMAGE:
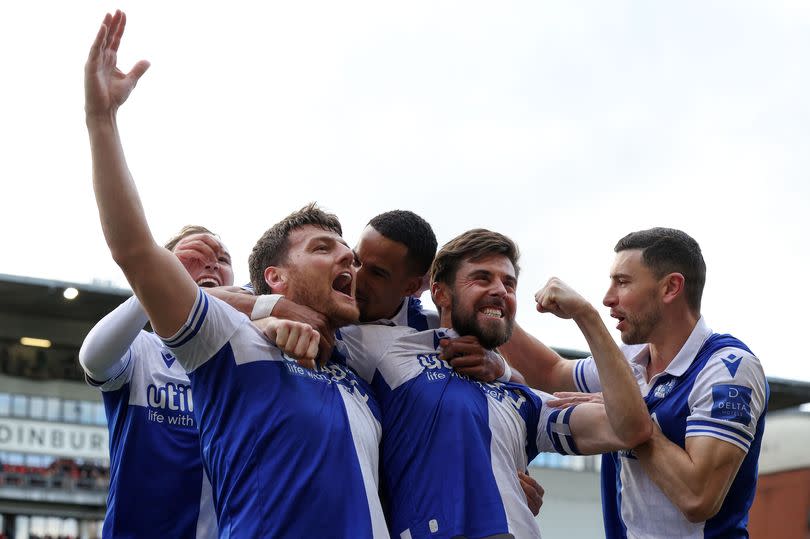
(716, 462)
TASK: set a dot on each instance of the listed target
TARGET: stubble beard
(319, 298)
(641, 326)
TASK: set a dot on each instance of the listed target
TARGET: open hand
(106, 87)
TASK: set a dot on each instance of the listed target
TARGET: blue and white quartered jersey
(291, 452)
(157, 484)
(714, 387)
(452, 446)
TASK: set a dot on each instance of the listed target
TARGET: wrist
(264, 306)
(507, 371)
(100, 118)
(587, 315)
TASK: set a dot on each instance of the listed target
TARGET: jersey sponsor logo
(732, 403)
(170, 403)
(437, 369)
(331, 373)
(168, 357)
(732, 363)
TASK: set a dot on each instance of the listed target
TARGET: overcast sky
(564, 125)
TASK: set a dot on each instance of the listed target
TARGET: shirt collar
(690, 348)
(684, 357)
(399, 319)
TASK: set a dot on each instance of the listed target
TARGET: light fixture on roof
(70, 293)
(32, 341)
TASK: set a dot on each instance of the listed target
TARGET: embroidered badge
(663, 390)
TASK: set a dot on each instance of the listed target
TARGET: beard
(490, 335)
(641, 326)
(314, 292)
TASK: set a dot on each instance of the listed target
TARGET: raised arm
(159, 280)
(624, 419)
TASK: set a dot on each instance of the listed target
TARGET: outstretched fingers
(119, 21)
(101, 38)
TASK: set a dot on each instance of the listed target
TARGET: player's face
(483, 300)
(633, 297)
(206, 259)
(384, 277)
(321, 274)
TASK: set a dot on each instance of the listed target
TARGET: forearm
(104, 349)
(122, 217)
(241, 301)
(161, 283)
(541, 366)
(626, 411)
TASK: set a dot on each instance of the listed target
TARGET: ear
(672, 287)
(415, 285)
(276, 279)
(441, 295)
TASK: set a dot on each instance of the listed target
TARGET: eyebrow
(328, 239)
(510, 279)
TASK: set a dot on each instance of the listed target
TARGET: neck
(667, 340)
(446, 319)
(396, 310)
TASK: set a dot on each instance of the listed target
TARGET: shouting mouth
(208, 282)
(343, 284)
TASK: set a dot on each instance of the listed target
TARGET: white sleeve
(105, 350)
(586, 377)
(210, 325)
(553, 429)
(728, 398)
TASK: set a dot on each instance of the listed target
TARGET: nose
(610, 298)
(498, 288)
(346, 257)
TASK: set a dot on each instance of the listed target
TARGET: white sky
(564, 125)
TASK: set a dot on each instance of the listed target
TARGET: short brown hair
(473, 245)
(187, 230)
(272, 247)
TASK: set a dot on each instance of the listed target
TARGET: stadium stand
(53, 437)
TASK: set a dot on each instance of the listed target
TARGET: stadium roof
(38, 308)
(29, 296)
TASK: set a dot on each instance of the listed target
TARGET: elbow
(645, 431)
(638, 434)
(125, 257)
(698, 510)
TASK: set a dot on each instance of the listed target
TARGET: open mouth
(619, 318)
(207, 282)
(492, 312)
(343, 283)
